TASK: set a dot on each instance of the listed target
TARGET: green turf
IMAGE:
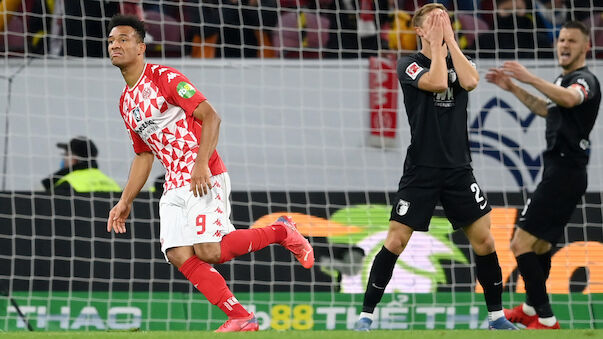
(422, 334)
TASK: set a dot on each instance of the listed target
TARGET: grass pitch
(423, 334)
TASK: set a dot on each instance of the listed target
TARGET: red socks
(213, 286)
(241, 242)
(209, 282)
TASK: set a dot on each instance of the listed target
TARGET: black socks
(534, 277)
(381, 274)
(489, 276)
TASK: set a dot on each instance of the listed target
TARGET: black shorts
(422, 187)
(553, 202)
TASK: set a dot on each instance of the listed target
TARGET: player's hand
(517, 71)
(448, 32)
(200, 180)
(117, 217)
(498, 77)
(434, 32)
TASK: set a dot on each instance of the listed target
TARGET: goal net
(313, 126)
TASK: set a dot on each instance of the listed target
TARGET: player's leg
(382, 270)
(540, 225)
(488, 270)
(235, 243)
(191, 231)
(283, 231)
(543, 249)
(528, 264)
(206, 279)
(414, 204)
(466, 207)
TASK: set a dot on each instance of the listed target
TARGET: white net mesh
(311, 127)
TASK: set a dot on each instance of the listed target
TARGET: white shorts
(186, 220)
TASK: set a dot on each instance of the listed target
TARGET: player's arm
(465, 70)
(200, 175)
(436, 79)
(139, 173)
(501, 79)
(562, 96)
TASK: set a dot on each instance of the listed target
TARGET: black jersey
(567, 129)
(438, 121)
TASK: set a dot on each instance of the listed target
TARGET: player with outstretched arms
(570, 108)
(436, 82)
(168, 117)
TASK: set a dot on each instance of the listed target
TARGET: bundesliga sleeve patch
(186, 90)
(413, 70)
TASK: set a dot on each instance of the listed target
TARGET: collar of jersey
(144, 70)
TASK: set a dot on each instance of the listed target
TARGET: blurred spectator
(594, 24)
(582, 9)
(401, 36)
(79, 170)
(513, 35)
(468, 27)
(86, 21)
(240, 20)
(550, 16)
(12, 33)
(175, 25)
(343, 36)
(356, 28)
(373, 15)
(301, 34)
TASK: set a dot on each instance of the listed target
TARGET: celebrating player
(167, 116)
(435, 83)
(570, 108)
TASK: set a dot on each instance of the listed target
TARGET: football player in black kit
(570, 108)
(436, 84)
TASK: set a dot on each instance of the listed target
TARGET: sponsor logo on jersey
(584, 144)
(413, 70)
(444, 99)
(147, 128)
(402, 207)
(136, 114)
(185, 90)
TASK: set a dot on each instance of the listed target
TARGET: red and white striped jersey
(158, 113)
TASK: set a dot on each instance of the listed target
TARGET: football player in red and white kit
(168, 117)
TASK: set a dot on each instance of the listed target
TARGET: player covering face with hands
(570, 106)
(167, 117)
(436, 82)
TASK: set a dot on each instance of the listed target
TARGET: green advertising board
(275, 311)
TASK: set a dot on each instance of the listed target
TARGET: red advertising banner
(383, 101)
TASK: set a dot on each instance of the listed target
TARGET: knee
(519, 247)
(542, 246)
(484, 245)
(177, 258)
(397, 238)
(208, 254)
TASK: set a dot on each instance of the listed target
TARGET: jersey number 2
(478, 197)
